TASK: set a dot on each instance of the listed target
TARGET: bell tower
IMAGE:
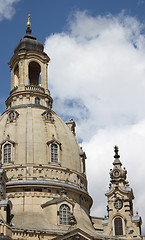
(28, 68)
(120, 220)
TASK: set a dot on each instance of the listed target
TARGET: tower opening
(8, 214)
(118, 226)
(16, 76)
(34, 73)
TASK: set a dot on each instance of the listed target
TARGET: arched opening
(7, 153)
(64, 214)
(118, 226)
(16, 76)
(37, 101)
(8, 214)
(84, 166)
(34, 73)
(54, 153)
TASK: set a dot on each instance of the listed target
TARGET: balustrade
(46, 174)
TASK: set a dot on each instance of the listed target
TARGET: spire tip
(28, 22)
(116, 150)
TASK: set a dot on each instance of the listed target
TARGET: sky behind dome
(96, 76)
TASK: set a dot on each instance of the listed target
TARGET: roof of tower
(29, 42)
(117, 174)
(117, 157)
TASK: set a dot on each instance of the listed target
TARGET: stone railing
(48, 173)
(34, 88)
(5, 231)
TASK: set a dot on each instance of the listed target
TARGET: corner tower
(120, 220)
(43, 161)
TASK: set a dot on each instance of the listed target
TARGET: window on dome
(118, 226)
(12, 116)
(37, 100)
(34, 73)
(7, 153)
(47, 116)
(54, 153)
(64, 214)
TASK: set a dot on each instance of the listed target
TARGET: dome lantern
(29, 66)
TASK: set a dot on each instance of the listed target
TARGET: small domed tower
(43, 161)
(120, 220)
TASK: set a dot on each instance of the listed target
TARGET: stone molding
(45, 173)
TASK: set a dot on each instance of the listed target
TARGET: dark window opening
(37, 100)
(84, 167)
(34, 73)
(8, 214)
(38, 189)
(118, 226)
(11, 116)
(27, 189)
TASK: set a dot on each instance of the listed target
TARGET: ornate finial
(116, 150)
(28, 22)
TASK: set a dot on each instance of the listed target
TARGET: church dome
(39, 152)
(39, 137)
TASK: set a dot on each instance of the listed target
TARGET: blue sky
(96, 75)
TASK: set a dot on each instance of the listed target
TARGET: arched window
(8, 214)
(118, 226)
(11, 116)
(16, 76)
(48, 116)
(54, 153)
(34, 73)
(7, 153)
(37, 100)
(64, 214)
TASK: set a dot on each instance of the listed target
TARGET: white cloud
(7, 9)
(97, 75)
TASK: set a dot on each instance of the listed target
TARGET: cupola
(29, 66)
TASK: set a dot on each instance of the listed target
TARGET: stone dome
(32, 131)
(29, 42)
(39, 152)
